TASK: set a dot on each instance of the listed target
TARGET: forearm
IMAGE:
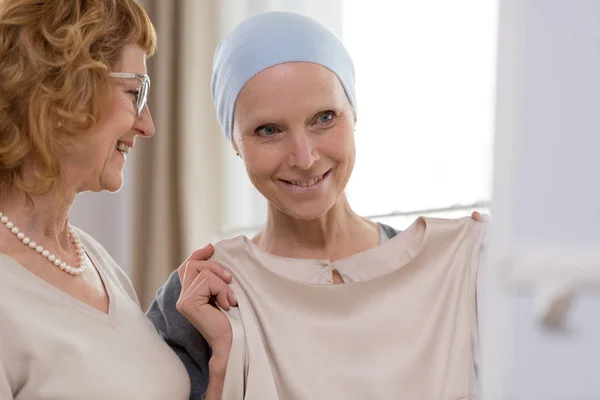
(216, 377)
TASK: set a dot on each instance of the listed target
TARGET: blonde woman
(73, 92)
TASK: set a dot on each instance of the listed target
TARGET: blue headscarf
(267, 39)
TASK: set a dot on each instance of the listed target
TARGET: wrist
(218, 364)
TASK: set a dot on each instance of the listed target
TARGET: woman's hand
(204, 283)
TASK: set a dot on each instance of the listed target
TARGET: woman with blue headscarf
(330, 305)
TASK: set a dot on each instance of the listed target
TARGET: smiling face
(294, 129)
(97, 160)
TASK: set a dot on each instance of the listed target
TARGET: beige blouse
(400, 328)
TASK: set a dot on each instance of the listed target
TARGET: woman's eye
(268, 130)
(326, 117)
(134, 92)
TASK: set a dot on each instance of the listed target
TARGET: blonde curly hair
(55, 59)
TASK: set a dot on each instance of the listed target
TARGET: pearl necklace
(82, 265)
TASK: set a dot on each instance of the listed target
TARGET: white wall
(546, 204)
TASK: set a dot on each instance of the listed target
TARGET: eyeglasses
(142, 94)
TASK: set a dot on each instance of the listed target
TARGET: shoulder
(464, 228)
(390, 232)
(233, 251)
(238, 242)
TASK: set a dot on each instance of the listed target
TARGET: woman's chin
(307, 211)
(112, 183)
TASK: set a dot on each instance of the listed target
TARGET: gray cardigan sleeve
(183, 338)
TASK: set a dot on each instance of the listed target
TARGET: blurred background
(425, 73)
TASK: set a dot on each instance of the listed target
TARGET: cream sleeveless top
(399, 328)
